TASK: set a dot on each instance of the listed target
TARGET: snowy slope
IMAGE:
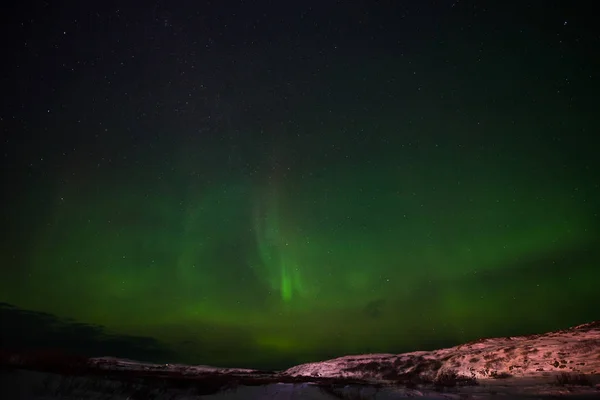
(563, 363)
(575, 350)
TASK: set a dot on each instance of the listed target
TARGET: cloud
(26, 329)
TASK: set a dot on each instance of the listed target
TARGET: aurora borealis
(272, 184)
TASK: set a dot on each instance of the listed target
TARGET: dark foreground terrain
(562, 364)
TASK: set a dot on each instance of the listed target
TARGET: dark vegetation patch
(376, 370)
(587, 345)
(405, 363)
(448, 379)
(474, 360)
(529, 350)
(495, 362)
(410, 373)
(372, 366)
(500, 375)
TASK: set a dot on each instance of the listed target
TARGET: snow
(528, 366)
(576, 350)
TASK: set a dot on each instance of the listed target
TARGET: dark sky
(262, 183)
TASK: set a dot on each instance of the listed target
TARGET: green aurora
(376, 257)
(273, 194)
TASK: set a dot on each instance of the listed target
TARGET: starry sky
(263, 183)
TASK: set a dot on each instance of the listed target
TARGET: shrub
(452, 379)
(501, 375)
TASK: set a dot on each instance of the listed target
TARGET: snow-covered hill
(562, 363)
(575, 351)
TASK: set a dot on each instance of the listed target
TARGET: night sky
(262, 183)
